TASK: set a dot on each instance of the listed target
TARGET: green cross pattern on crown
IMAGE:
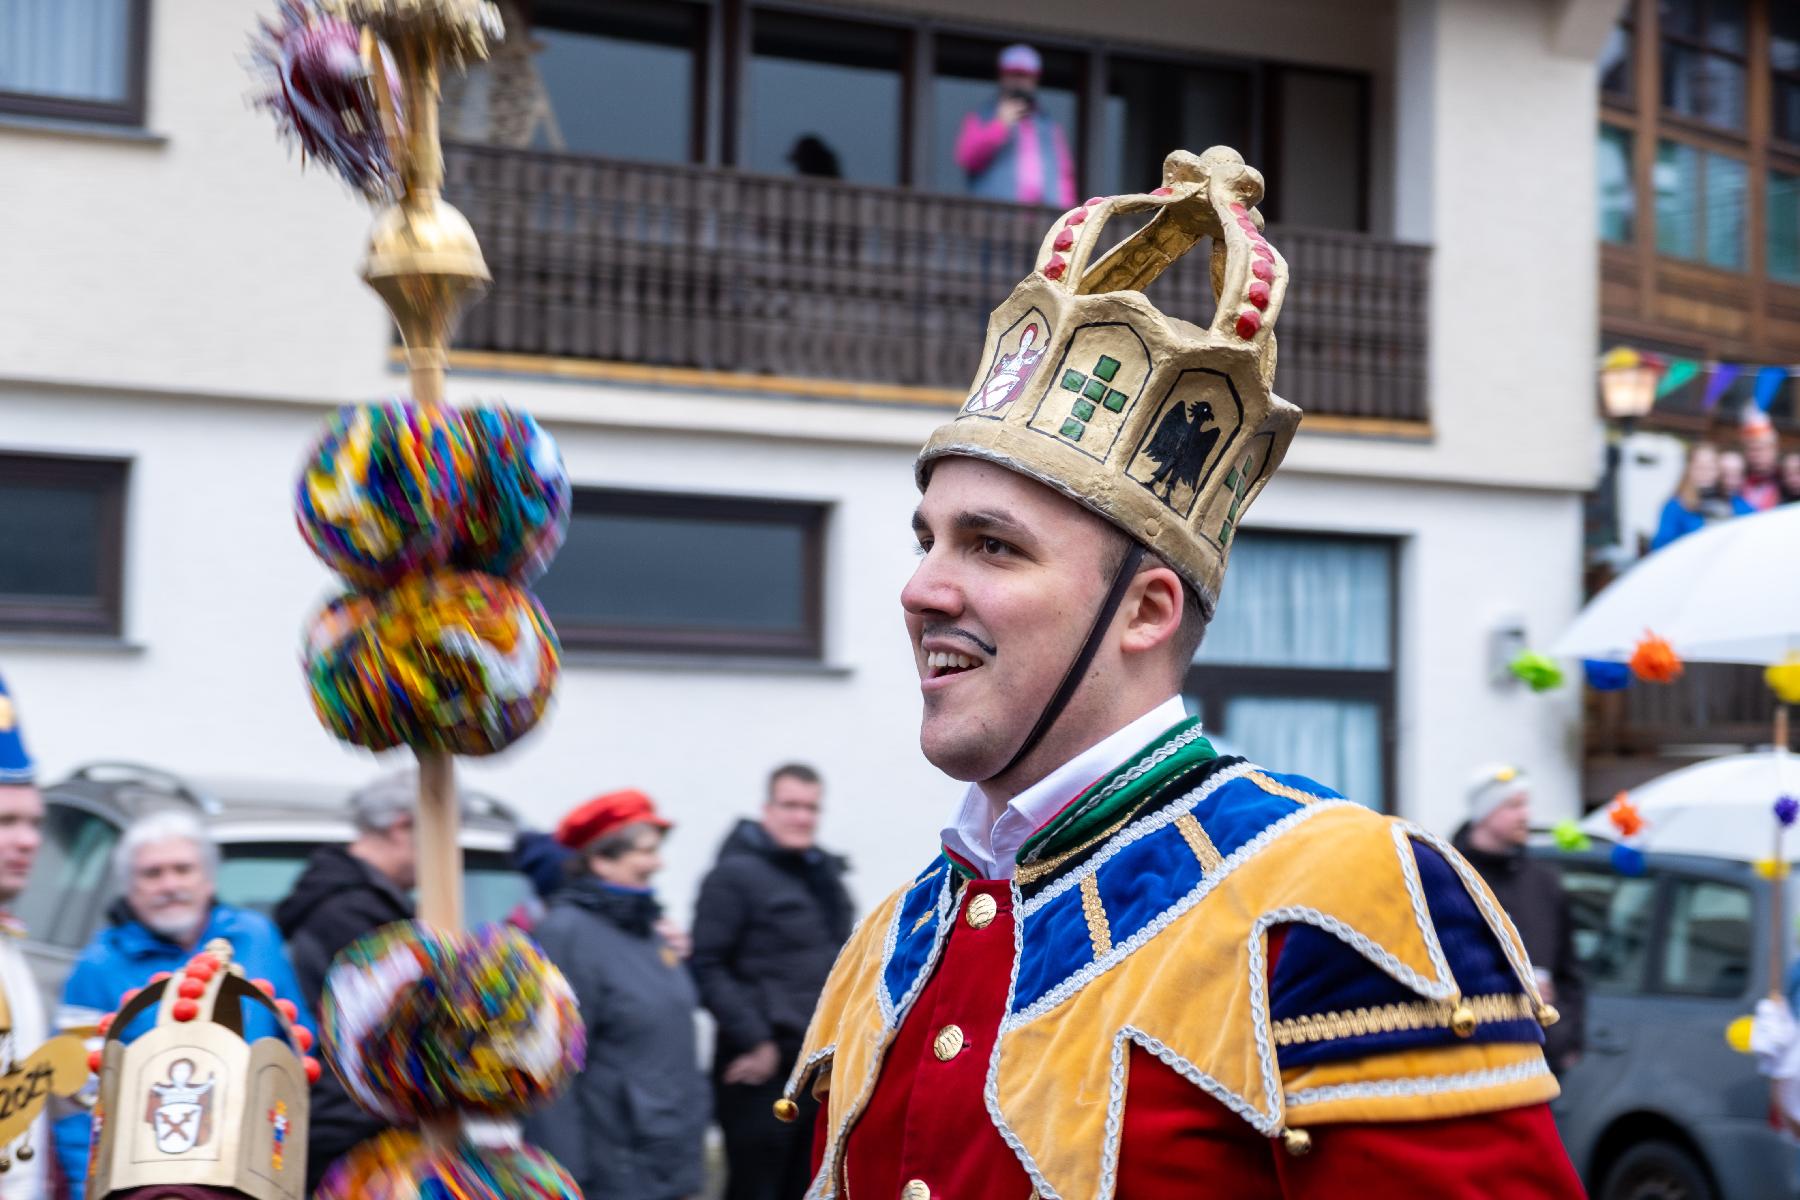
(1237, 482)
(1091, 389)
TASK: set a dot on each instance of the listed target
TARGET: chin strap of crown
(1211, 195)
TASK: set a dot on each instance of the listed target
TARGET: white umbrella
(1722, 808)
(1728, 593)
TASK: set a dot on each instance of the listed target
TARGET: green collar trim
(1175, 752)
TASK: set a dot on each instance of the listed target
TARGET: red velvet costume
(929, 1122)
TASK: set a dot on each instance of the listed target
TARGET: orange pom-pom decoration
(1655, 661)
(1625, 816)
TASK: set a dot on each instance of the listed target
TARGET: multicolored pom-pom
(1538, 672)
(1604, 675)
(401, 1165)
(451, 661)
(1655, 661)
(378, 493)
(325, 96)
(1569, 836)
(518, 509)
(420, 1022)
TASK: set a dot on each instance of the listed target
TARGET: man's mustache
(170, 899)
(931, 631)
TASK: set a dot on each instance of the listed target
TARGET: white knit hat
(1491, 786)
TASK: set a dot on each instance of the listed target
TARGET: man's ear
(1152, 610)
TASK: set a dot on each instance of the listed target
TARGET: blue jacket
(1678, 520)
(125, 956)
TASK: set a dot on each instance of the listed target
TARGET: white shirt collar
(993, 848)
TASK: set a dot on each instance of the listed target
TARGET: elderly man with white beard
(166, 866)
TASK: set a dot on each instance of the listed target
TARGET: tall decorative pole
(436, 520)
(425, 263)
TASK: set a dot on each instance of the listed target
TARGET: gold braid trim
(1098, 930)
(1396, 1018)
(1199, 842)
(1281, 789)
(1026, 874)
(923, 918)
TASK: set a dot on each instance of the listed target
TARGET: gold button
(948, 1043)
(915, 1189)
(981, 911)
(786, 1110)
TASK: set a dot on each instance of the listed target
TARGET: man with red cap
(1139, 968)
(633, 1125)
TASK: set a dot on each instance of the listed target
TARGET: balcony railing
(720, 270)
(1711, 704)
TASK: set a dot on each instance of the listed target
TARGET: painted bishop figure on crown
(1138, 968)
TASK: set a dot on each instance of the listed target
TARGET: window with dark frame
(1618, 77)
(80, 60)
(1705, 59)
(1702, 205)
(661, 572)
(62, 544)
(1616, 185)
(964, 82)
(1297, 670)
(1784, 66)
(826, 98)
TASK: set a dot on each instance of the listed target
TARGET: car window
(61, 903)
(1706, 950)
(259, 875)
(1612, 915)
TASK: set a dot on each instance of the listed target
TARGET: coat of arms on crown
(186, 1100)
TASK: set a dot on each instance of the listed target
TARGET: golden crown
(1165, 429)
(190, 1101)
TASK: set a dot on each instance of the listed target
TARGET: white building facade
(182, 312)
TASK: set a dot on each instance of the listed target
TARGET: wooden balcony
(719, 270)
(1650, 729)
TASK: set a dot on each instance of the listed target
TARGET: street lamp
(1628, 383)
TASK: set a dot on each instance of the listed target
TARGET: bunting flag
(1720, 377)
(1768, 385)
(1718, 383)
(1680, 372)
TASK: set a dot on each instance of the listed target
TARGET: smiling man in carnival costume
(1139, 969)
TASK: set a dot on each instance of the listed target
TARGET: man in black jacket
(1531, 891)
(771, 917)
(344, 893)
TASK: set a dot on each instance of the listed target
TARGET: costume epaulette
(1399, 990)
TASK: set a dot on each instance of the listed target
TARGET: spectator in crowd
(771, 918)
(1790, 477)
(344, 893)
(167, 867)
(1699, 500)
(813, 156)
(1731, 475)
(1014, 150)
(1493, 840)
(632, 1126)
(546, 863)
(1761, 489)
(21, 821)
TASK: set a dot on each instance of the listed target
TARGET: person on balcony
(1762, 488)
(1015, 151)
(1700, 499)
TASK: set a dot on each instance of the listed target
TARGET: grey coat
(633, 1124)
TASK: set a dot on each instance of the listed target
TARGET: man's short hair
(381, 805)
(793, 770)
(166, 825)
